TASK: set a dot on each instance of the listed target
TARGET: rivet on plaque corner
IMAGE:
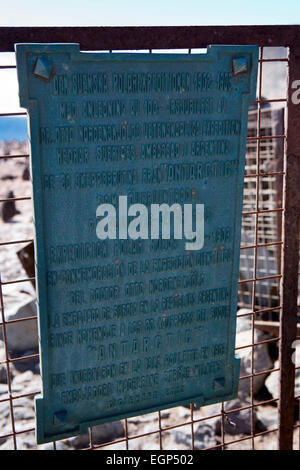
(43, 68)
(219, 383)
(239, 65)
(60, 417)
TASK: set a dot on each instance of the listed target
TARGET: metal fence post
(289, 284)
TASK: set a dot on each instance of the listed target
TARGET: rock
(3, 368)
(24, 412)
(152, 446)
(22, 336)
(150, 417)
(8, 177)
(239, 422)
(243, 323)
(59, 446)
(26, 256)
(3, 389)
(268, 415)
(103, 433)
(6, 444)
(8, 209)
(204, 437)
(272, 382)
(183, 412)
(23, 378)
(262, 360)
(3, 374)
(26, 173)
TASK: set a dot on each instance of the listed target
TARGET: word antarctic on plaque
(137, 165)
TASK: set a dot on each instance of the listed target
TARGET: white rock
(49, 446)
(22, 336)
(103, 433)
(243, 323)
(272, 382)
(262, 360)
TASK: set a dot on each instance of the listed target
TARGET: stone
(204, 437)
(22, 336)
(26, 257)
(243, 323)
(103, 433)
(3, 389)
(23, 413)
(8, 177)
(58, 446)
(262, 360)
(26, 173)
(268, 415)
(23, 378)
(6, 444)
(273, 380)
(8, 208)
(3, 368)
(238, 422)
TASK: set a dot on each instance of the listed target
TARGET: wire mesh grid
(260, 274)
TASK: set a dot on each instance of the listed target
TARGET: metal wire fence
(268, 282)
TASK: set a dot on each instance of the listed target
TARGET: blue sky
(133, 13)
(145, 12)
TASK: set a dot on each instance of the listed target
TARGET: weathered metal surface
(290, 260)
(132, 326)
(156, 37)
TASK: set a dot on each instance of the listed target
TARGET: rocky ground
(25, 378)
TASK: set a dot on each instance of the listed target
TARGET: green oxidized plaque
(137, 166)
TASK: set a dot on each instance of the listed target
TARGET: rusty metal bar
(266, 137)
(21, 113)
(263, 211)
(26, 198)
(9, 385)
(259, 175)
(160, 431)
(17, 281)
(16, 242)
(17, 320)
(126, 433)
(259, 245)
(16, 397)
(242, 439)
(289, 281)
(265, 341)
(152, 37)
(254, 279)
(274, 60)
(262, 310)
(6, 157)
(192, 425)
(275, 100)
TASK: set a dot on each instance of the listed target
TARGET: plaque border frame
(22, 49)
